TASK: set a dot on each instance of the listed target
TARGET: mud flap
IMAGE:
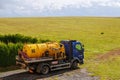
(38, 68)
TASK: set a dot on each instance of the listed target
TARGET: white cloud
(42, 5)
(39, 6)
(111, 4)
(59, 4)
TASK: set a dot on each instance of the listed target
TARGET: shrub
(16, 38)
(4, 55)
(9, 46)
(42, 41)
(8, 53)
(13, 50)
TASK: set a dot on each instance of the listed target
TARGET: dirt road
(67, 74)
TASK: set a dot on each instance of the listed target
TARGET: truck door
(78, 50)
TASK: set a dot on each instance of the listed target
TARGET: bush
(4, 54)
(13, 50)
(8, 53)
(42, 41)
(16, 38)
(9, 45)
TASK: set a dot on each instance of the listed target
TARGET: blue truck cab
(74, 50)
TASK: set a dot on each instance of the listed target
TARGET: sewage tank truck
(50, 56)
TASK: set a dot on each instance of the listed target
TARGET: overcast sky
(31, 8)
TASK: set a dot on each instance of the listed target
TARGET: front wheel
(74, 65)
(45, 69)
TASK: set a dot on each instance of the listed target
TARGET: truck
(50, 56)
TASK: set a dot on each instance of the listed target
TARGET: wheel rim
(45, 69)
(75, 64)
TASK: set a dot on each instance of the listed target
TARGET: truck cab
(74, 50)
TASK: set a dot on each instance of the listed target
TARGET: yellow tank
(49, 49)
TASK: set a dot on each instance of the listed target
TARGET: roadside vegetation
(9, 46)
(99, 35)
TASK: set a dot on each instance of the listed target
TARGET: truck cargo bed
(33, 60)
(38, 60)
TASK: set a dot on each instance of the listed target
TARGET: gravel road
(66, 74)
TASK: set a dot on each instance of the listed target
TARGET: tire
(82, 62)
(45, 69)
(74, 65)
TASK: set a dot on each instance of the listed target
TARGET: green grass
(110, 70)
(105, 69)
(99, 35)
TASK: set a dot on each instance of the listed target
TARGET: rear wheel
(45, 69)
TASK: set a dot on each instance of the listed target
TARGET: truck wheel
(74, 65)
(45, 69)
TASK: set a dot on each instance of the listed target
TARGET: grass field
(99, 35)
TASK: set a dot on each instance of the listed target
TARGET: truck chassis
(45, 65)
